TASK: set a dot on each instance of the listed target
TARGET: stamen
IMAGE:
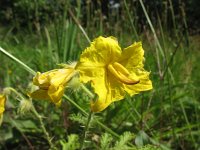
(121, 68)
(122, 74)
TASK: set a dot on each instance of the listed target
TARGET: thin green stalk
(173, 17)
(86, 129)
(152, 28)
(58, 41)
(64, 30)
(185, 25)
(156, 39)
(162, 34)
(51, 58)
(65, 41)
(75, 104)
(171, 109)
(79, 25)
(14, 91)
(187, 121)
(18, 61)
(157, 43)
(131, 21)
(87, 91)
(107, 129)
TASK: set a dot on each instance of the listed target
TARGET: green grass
(165, 118)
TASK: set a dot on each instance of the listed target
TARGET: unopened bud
(74, 83)
(6, 91)
(25, 106)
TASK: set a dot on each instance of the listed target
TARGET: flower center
(122, 74)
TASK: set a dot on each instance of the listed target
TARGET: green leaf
(72, 144)
(105, 141)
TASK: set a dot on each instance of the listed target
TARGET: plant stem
(86, 129)
(18, 61)
(87, 91)
(14, 91)
(131, 20)
(85, 113)
(152, 29)
(37, 115)
(43, 128)
(75, 104)
(79, 25)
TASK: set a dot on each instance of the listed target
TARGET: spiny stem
(86, 129)
(37, 115)
(89, 116)
(43, 128)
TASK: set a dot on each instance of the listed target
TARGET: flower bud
(75, 83)
(24, 106)
(6, 91)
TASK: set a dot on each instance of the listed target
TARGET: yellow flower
(2, 103)
(113, 72)
(51, 84)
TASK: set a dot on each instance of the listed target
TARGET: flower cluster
(113, 72)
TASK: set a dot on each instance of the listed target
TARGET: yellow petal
(51, 84)
(2, 109)
(40, 94)
(110, 90)
(41, 79)
(2, 100)
(144, 84)
(132, 56)
(116, 89)
(101, 52)
(2, 103)
(61, 77)
(99, 105)
(56, 95)
(97, 76)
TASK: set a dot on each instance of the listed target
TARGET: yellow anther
(122, 74)
(121, 68)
